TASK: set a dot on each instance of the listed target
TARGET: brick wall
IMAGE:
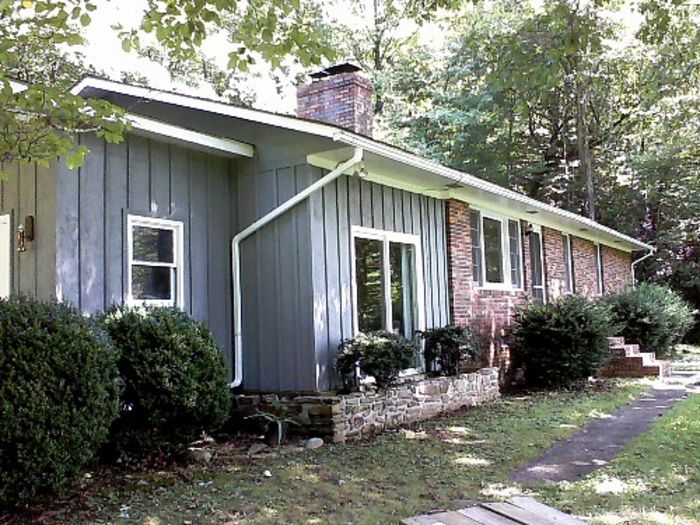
(584, 267)
(459, 261)
(617, 269)
(343, 100)
(554, 271)
(490, 312)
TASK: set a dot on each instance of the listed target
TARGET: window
(496, 251)
(475, 225)
(569, 286)
(536, 258)
(599, 269)
(155, 255)
(388, 286)
(514, 245)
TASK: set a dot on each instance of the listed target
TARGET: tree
(40, 120)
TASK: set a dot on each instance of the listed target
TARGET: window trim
(600, 279)
(387, 237)
(569, 268)
(507, 284)
(537, 229)
(178, 264)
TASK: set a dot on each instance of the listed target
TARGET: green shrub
(58, 395)
(560, 342)
(175, 380)
(652, 316)
(447, 347)
(381, 355)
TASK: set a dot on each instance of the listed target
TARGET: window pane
(370, 287)
(536, 264)
(567, 264)
(152, 283)
(493, 250)
(153, 244)
(401, 259)
(515, 259)
(475, 223)
(599, 269)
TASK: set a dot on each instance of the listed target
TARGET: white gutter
(247, 232)
(390, 152)
(634, 264)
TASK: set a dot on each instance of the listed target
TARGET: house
(287, 235)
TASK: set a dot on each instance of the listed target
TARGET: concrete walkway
(600, 440)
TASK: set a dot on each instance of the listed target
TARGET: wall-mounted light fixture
(25, 233)
(530, 228)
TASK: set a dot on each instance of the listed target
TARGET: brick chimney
(340, 95)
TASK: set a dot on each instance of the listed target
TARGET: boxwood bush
(447, 347)
(652, 316)
(380, 354)
(58, 395)
(560, 342)
(175, 381)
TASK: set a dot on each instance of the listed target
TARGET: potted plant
(276, 423)
(382, 355)
(447, 347)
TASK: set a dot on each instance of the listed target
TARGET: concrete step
(625, 350)
(616, 341)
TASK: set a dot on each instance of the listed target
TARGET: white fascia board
(189, 137)
(210, 106)
(469, 180)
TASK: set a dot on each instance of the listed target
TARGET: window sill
(496, 288)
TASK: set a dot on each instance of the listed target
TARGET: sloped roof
(413, 170)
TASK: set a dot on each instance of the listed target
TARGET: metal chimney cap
(337, 69)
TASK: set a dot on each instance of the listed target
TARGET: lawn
(687, 358)
(466, 456)
(655, 481)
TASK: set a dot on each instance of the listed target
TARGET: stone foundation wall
(363, 414)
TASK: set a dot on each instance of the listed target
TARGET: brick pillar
(459, 261)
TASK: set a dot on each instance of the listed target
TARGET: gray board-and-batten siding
(297, 303)
(28, 190)
(154, 179)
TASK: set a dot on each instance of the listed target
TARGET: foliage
(652, 316)
(278, 416)
(58, 396)
(567, 102)
(447, 347)
(441, 461)
(40, 122)
(175, 380)
(560, 342)
(380, 354)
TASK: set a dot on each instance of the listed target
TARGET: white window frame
(569, 247)
(386, 237)
(536, 228)
(178, 284)
(505, 253)
(600, 277)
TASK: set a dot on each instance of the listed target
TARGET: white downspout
(634, 264)
(236, 254)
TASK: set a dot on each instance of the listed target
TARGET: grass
(466, 456)
(687, 358)
(656, 481)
